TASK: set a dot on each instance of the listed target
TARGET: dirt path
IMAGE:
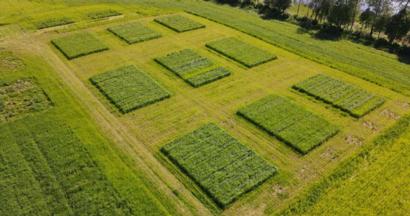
(112, 127)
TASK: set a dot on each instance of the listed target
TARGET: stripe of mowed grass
(78, 44)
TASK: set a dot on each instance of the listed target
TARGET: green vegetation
(361, 184)
(9, 62)
(21, 97)
(103, 14)
(349, 98)
(244, 53)
(179, 23)
(223, 167)
(129, 150)
(358, 60)
(60, 169)
(57, 162)
(79, 44)
(128, 88)
(134, 32)
(208, 76)
(54, 22)
(288, 122)
(192, 67)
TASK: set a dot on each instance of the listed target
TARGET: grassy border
(345, 170)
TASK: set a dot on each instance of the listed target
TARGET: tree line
(335, 17)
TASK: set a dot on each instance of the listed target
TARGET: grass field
(371, 182)
(46, 150)
(358, 60)
(139, 156)
(218, 102)
(39, 176)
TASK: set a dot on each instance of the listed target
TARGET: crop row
(54, 22)
(134, 32)
(244, 53)
(103, 14)
(179, 23)
(78, 44)
(129, 89)
(208, 76)
(192, 67)
(45, 170)
(349, 98)
(290, 123)
(218, 163)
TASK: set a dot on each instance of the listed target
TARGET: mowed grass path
(219, 101)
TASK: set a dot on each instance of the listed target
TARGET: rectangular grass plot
(179, 23)
(244, 53)
(223, 167)
(103, 14)
(208, 76)
(290, 123)
(79, 44)
(192, 67)
(53, 22)
(349, 98)
(20, 98)
(134, 32)
(129, 89)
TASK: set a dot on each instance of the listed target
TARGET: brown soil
(389, 114)
(354, 140)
